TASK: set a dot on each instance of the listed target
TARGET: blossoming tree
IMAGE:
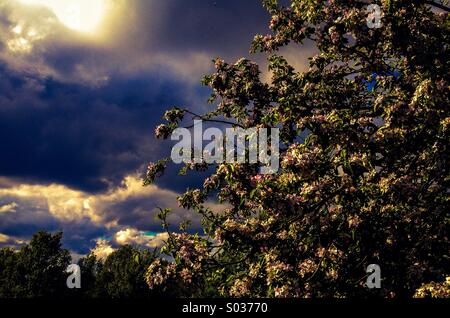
(364, 177)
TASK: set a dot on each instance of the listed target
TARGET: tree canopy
(38, 270)
(364, 177)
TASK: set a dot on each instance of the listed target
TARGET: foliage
(122, 274)
(368, 183)
(434, 290)
(37, 270)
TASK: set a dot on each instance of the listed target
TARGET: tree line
(38, 270)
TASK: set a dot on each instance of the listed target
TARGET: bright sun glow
(79, 15)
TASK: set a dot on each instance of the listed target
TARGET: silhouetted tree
(121, 275)
(90, 267)
(37, 270)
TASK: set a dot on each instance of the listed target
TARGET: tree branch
(438, 5)
(196, 116)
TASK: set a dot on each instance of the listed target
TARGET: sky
(83, 84)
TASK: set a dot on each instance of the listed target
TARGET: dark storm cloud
(79, 136)
(81, 113)
(21, 223)
(87, 136)
(80, 236)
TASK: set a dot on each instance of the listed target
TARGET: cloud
(10, 241)
(81, 15)
(81, 108)
(180, 37)
(131, 236)
(108, 209)
(136, 35)
(72, 156)
(128, 236)
(102, 249)
(77, 136)
(8, 208)
(3, 238)
(125, 213)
